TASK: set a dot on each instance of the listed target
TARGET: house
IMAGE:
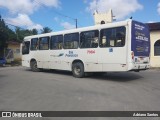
(155, 44)
(12, 53)
(103, 18)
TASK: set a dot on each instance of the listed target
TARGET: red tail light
(132, 54)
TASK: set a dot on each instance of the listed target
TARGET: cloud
(85, 1)
(15, 6)
(56, 19)
(158, 8)
(151, 22)
(27, 6)
(23, 20)
(35, 26)
(121, 8)
(23, 8)
(67, 25)
(50, 3)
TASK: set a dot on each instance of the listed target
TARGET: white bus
(114, 47)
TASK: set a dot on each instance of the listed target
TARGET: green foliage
(7, 34)
(46, 30)
(3, 36)
(3, 33)
(34, 31)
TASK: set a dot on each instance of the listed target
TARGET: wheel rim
(77, 70)
(35, 66)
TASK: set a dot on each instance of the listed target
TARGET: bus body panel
(25, 60)
(90, 59)
(140, 46)
(26, 57)
(63, 59)
(97, 59)
(113, 59)
(140, 39)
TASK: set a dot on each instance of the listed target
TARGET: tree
(34, 31)
(46, 30)
(11, 34)
(3, 36)
(21, 33)
(18, 34)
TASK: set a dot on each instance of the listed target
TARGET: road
(22, 89)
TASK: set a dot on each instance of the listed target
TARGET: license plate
(141, 58)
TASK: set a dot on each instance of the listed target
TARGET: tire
(78, 70)
(34, 66)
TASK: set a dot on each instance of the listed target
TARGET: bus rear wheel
(34, 67)
(78, 70)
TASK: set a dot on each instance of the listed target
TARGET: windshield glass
(25, 47)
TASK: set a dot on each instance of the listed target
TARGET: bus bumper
(139, 67)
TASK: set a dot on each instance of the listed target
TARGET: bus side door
(113, 49)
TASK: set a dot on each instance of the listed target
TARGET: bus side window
(44, 43)
(71, 41)
(103, 39)
(114, 37)
(120, 39)
(89, 39)
(34, 44)
(56, 42)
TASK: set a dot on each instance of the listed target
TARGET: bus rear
(140, 46)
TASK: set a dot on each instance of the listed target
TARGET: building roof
(13, 43)
(154, 26)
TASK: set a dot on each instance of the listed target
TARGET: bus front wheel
(34, 66)
(78, 70)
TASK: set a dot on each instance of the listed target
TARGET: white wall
(155, 60)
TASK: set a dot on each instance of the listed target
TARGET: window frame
(96, 30)
(36, 45)
(40, 39)
(156, 46)
(64, 47)
(108, 42)
(56, 42)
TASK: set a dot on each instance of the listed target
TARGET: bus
(111, 47)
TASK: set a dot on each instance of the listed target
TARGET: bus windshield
(140, 39)
(25, 47)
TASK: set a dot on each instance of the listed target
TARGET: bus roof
(81, 29)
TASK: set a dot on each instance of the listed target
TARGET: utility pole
(76, 23)
(96, 5)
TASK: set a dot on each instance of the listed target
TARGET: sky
(61, 14)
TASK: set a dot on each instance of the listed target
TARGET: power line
(60, 14)
(63, 15)
(10, 23)
(4, 16)
(14, 25)
(40, 3)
